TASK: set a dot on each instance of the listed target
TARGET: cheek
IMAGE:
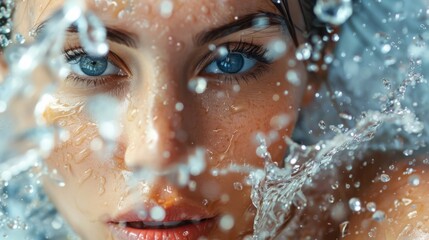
(87, 175)
(226, 122)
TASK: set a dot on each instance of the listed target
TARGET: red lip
(181, 221)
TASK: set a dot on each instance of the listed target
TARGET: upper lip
(174, 213)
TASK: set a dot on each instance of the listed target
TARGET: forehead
(162, 15)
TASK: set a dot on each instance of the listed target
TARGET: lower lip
(190, 231)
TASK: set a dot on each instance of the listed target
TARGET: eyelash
(249, 50)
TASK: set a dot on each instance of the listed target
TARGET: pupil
(93, 66)
(232, 63)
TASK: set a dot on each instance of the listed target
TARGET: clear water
(277, 192)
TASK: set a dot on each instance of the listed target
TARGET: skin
(404, 204)
(153, 79)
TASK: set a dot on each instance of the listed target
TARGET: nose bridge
(155, 121)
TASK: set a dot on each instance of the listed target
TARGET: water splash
(335, 12)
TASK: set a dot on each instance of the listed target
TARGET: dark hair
(6, 10)
(312, 25)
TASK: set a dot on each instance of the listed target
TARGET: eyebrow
(112, 34)
(243, 23)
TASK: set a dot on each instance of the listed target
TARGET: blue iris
(93, 66)
(232, 63)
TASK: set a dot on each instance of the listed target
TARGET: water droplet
(384, 178)
(157, 213)
(179, 46)
(260, 22)
(408, 152)
(293, 77)
(385, 48)
(335, 12)
(197, 85)
(19, 38)
(238, 186)
(412, 214)
(322, 125)
(414, 180)
(197, 162)
(379, 216)
(346, 116)
(205, 9)
(85, 176)
(179, 106)
(261, 151)
(355, 204)
(276, 49)
(303, 52)
(371, 206)
(82, 155)
(101, 184)
(166, 8)
(406, 201)
(226, 222)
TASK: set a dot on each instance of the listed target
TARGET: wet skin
(148, 79)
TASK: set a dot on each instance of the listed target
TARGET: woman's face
(157, 57)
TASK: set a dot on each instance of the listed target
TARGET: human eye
(240, 62)
(89, 72)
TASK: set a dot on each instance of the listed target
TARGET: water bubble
(20, 39)
(322, 125)
(303, 52)
(384, 178)
(379, 216)
(260, 22)
(166, 8)
(355, 204)
(197, 162)
(276, 49)
(412, 214)
(238, 186)
(157, 213)
(280, 121)
(345, 116)
(222, 52)
(389, 61)
(408, 152)
(385, 48)
(293, 77)
(371, 206)
(335, 12)
(226, 222)
(105, 111)
(179, 106)
(197, 85)
(262, 151)
(414, 180)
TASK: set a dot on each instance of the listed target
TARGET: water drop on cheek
(205, 10)
(190, 19)
(101, 185)
(179, 46)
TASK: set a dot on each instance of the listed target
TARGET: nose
(156, 138)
